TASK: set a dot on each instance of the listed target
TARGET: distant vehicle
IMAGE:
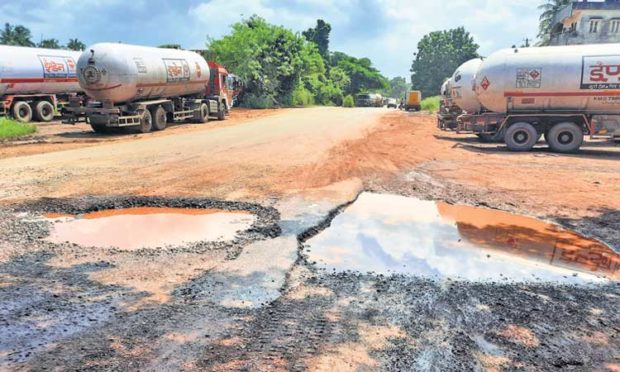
(369, 100)
(413, 100)
(391, 103)
(146, 88)
(560, 92)
(36, 83)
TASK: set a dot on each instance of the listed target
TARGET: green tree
(439, 54)
(268, 58)
(49, 44)
(320, 36)
(549, 10)
(170, 46)
(16, 35)
(398, 87)
(75, 44)
(361, 74)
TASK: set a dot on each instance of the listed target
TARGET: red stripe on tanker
(584, 78)
(37, 71)
(120, 73)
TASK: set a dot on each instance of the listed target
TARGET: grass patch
(431, 104)
(12, 129)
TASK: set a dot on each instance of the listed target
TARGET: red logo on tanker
(176, 70)
(57, 66)
(534, 74)
(53, 67)
(485, 83)
(601, 72)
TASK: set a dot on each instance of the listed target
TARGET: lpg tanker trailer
(448, 111)
(146, 88)
(561, 92)
(36, 83)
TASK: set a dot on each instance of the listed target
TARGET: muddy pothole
(148, 227)
(149, 224)
(390, 234)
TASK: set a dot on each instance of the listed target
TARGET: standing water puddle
(394, 234)
(149, 227)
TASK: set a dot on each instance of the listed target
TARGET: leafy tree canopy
(439, 54)
(16, 35)
(49, 43)
(398, 87)
(75, 44)
(320, 36)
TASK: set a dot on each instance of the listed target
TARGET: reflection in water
(395, 234)
(134, 228)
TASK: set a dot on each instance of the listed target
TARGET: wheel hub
(521, 137)
(565, 138)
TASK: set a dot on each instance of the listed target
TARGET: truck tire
(44, 111)
(565, 137)
(521, 136)
(202, 114)
(221, 113)
(22, 111)
(146, 123)
(159, 117)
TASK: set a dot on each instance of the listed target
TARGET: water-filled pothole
(395, 234)
(148, 227)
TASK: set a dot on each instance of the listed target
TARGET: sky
(386, 31)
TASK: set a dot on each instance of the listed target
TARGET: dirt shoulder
(56, 136)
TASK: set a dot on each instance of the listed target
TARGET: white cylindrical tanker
(583, 78)
(147, 87)
(462, 86)
(561, 92)
(119, 73)
(34, 81)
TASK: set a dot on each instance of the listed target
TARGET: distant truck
(448, 112)
(560, 92)
(36, 83)
(147, 88)
(413, 100)
(369, 100)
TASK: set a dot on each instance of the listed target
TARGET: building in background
(587, 22)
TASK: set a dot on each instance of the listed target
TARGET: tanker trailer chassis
(146, 116)
(39, 107)
(563, 131)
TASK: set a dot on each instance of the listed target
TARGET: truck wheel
(202, 114)
(22, 112)
(146, 123)
(160, 120)
(565, 137)
(521, 136)
(221, 113)
(44, 111)
(491, 138)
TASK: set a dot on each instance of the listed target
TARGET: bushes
(430, 103)
(348, 101)
(252, 100)
(302, 97)
(12, 129)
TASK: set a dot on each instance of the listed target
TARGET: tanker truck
(146, 88)
(36, 83)
(448, 111)
(561, 92)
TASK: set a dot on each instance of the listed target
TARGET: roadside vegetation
(430, 104)
(284, 68)
(13, 129)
